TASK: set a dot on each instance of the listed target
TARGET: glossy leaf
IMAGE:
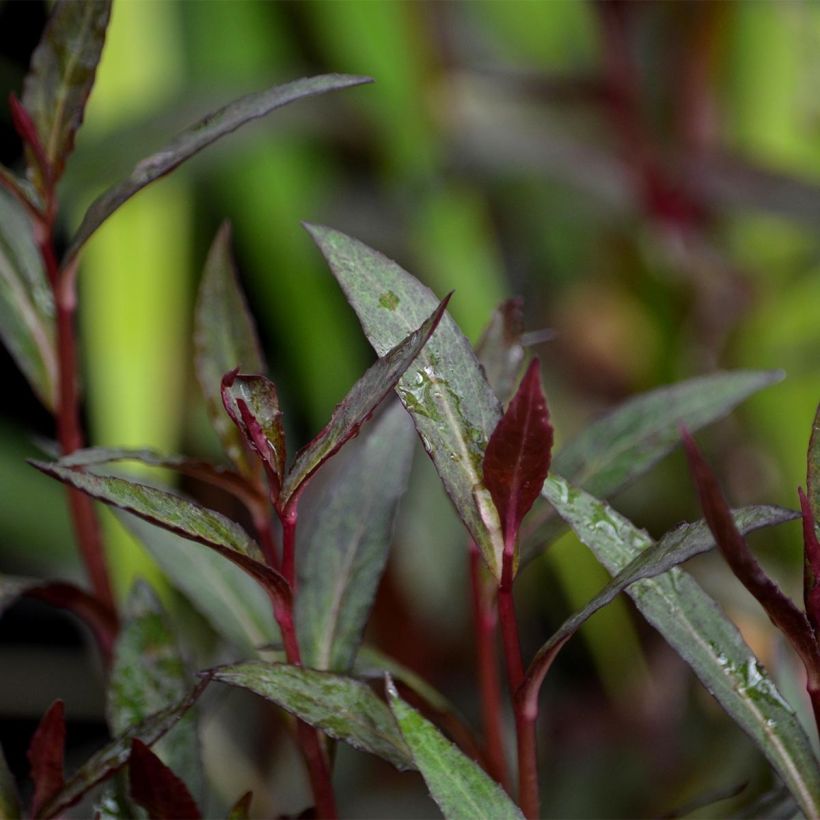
(241, 810)
(344, 544)
(179, 515)
(200, 135)
(26, 304)
(114, 755)
(156, 788)
(457, 784)
(341, 707)
(225, 338)
(676, 547)
(252, 404)
(233, 604)
(518, 454)
(696, 628)
(358, 405)
(147, 675)
(500, 350)
(630, 440)
(46, 754)
(9, 798)
(453, 407)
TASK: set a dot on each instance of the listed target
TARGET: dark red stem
(289, 517)
(485, 622)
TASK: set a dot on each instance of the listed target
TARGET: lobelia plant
(297, 620)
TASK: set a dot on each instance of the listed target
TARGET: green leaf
(224, 338)
(147, 675)
(344, 545)
(360, 402)
(631, 439)
(62, 73)
(200, 135)
(26, 304)
(179, 515)
(453, 407)
(114, 755)
(500, 350)
(22, 190)
(341, 707)
(693, 624)
(457, 784)
(233, 604)
(9, 797)
(813, 469)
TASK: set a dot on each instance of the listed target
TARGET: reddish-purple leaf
(517, 459)
(46, 754)
(156, 788)
(811, 564)
(241, 810)
(780, 609)
(27, 131)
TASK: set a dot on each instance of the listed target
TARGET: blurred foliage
(646, 176)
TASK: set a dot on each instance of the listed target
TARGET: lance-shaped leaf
(454, 409)
(695, 627)
(61, 76)
(811, 564)
(500, 350)
(21, 189)
(46, 754)
(344, 545)
(26, 303)
(156, 788)
(148, 675)
(179, 515)
(112, 757)
(358, 405)
(518, 454)
(200, 135)
(9, 797)
(233, 603)
(779, 607)
(631, 439)
(676, 547)
(813, 469)
(224, 339)
(457, 784)
(341, 707)
(252, 403)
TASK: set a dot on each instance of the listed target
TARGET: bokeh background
(645, 175)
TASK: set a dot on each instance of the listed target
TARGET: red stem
(262, 524)
(289, 517)
(485, 622)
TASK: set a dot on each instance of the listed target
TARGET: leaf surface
(156, 788)
(9, 797)
(241, 810)
(46, 754)
(26, 304)
(62, 73)
(453, 407)
(457, 784)
(695, 627)
(200, 135)
(344, 545)
(813, 469)
(341, 707)
(500, 350)
(358, 405)
(225, 338)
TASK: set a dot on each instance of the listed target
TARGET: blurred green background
(645, 175)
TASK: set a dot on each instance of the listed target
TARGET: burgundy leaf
(780, 609)
(241, 810)
(517, 459)
(156, 788)
(811, 564)
(46, 754)
(27, 130)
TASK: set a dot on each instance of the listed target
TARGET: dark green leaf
(9, 798)
(696, 628)
(811, 565)
(453, 407)
(199, 136)
(813, 469)
(500, 350)
(26, 304)
(21, 189)
(343, 708)
(457, 784)
(358, 405)
(343, 548)
(61, 77)
(224, 339)
(114, 755)
(46, 754)
(156, 787)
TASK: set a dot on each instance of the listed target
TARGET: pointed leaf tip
(156, 788)
(46, 754)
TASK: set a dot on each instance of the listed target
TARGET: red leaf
(156, 788)
(46, 754)
(780, 609)
(811, 565)
(25, 127)
(517, 459)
